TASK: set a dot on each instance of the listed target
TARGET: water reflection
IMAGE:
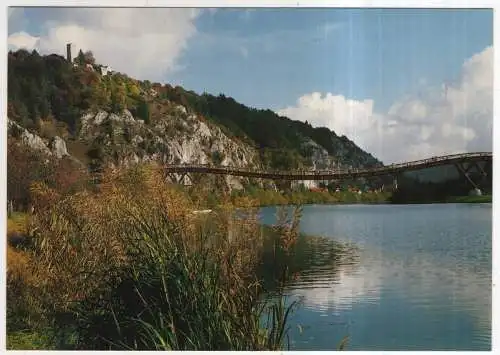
(312, 256)
(423, 293)
(337, 287)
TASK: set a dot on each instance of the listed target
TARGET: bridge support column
(395, 183)
(180, 178)
(479, 168)
(488, 169)
(464, 171)
(484, 172)
(173, 178)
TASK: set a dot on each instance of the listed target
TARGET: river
(421, 279)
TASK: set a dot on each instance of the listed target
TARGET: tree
(96, 156)
(146, 84)
(80, 58)
(143, 111)
(24, 166)
(118, 100)
(101, 94)
(44, 108)
(217, 157)
(133, 89)
(89, 57)
(68, 177)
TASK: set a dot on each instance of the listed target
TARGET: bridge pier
(486, 175)
(180, 178)
(484, 171)
(465, 171)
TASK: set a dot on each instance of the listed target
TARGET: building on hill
(105, 70)
(68, 52)
(87, 61)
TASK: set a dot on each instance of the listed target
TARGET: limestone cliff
(178, 138)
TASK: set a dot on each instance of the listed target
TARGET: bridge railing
(341, 171)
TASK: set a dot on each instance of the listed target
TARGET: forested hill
(44, 89)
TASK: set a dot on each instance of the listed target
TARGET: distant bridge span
(471, 159)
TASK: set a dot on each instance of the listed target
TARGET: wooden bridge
(463, 162)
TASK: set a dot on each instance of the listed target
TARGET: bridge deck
(333, 174)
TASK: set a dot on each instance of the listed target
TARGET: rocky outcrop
(177, 138)
(31, 140)
(58, 147)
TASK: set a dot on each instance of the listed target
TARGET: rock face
(58, 147)
(31, 140)
(178, 138)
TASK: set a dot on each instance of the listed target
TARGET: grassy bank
(131, 267)
(471, 199)
(450, 199)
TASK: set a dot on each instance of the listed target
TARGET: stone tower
(68, 52)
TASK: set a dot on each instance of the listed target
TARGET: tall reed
(131, 267)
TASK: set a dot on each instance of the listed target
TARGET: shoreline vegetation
(471, 199)
(449, 199)
(265, 198)
(126, 265)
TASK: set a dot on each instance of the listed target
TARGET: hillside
(106, 119)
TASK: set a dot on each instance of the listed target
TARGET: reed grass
(129, 266)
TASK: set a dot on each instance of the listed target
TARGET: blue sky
(355, 71)
(367, 53)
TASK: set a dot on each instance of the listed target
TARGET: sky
(403, 84)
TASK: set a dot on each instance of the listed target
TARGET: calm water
(421, 279)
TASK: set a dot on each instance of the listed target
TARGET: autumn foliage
(129, 256)
(26, 166)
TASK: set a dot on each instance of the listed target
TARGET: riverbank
(471, 199)
(264, 198)
(450, 199)
(130, 267)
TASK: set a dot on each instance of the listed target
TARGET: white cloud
(446, 120)
(22, 40)
(144, 43)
